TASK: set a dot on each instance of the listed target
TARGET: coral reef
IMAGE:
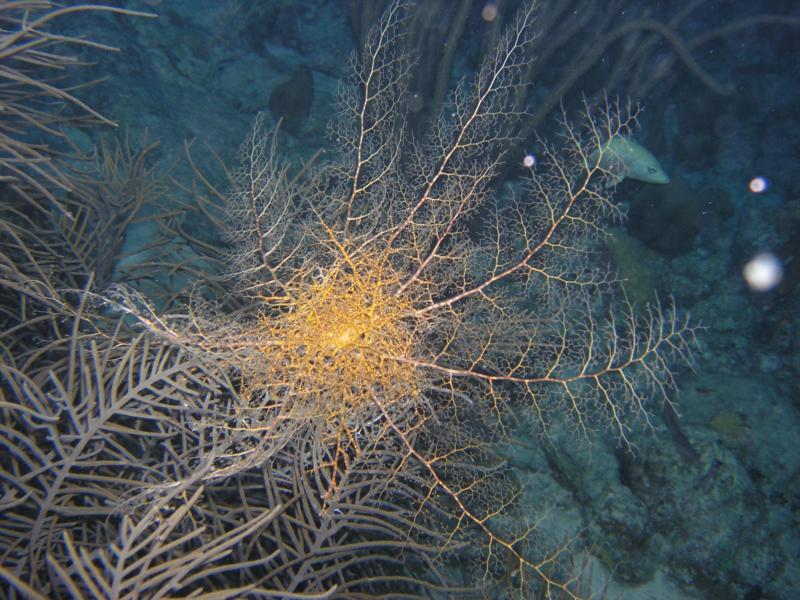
(319, 419)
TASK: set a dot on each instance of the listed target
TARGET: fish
(622, 157)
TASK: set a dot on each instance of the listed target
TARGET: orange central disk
(341, 340)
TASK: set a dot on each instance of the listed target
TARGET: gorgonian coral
(397, 302)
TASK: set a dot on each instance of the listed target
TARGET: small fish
(623, 157)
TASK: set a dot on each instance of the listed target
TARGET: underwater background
(706, 502)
